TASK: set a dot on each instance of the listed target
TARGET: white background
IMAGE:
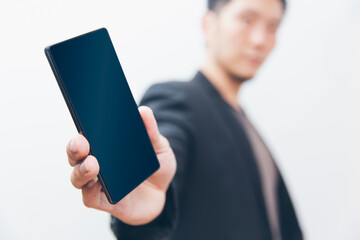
(304, 101)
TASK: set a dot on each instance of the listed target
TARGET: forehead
(269, 9)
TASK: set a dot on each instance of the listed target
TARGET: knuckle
(72, 180)
(75, 178)
(71, 161)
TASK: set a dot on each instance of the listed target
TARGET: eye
(247, 19)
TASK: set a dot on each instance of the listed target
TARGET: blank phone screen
(103, 108)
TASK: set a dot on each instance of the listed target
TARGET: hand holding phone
(145, 202)
(121, 148)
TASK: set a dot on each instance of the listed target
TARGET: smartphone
(103, 109)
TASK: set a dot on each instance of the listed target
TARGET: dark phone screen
(91, 75)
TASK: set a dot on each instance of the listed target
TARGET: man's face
(241, 34)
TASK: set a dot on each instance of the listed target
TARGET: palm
(145, 202)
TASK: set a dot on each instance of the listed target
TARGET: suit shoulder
(180, 90)
(171, 86)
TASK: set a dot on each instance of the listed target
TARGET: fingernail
(72, 146)
(84, 167)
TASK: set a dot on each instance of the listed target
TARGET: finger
(90, 194)
(93, 197)
(159, 142)
(84, 171)
(77, 149)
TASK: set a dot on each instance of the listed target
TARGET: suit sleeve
(171, 110)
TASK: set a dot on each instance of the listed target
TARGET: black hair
(214, 4)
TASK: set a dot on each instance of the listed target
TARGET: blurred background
(304, 101)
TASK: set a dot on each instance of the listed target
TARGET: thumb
(151, 127)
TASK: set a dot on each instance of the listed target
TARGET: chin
(242, 76)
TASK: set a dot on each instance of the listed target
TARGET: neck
(227, 86)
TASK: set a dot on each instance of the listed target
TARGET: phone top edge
(48, 48)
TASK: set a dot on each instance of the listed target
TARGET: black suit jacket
(216, 193)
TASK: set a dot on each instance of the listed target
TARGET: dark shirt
(217, 191)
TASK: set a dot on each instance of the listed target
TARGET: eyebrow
(256, 13)
(249, 11)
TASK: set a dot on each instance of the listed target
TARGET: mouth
(254, 61)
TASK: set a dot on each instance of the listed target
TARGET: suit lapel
(239, 137)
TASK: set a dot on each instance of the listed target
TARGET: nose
(258, 37)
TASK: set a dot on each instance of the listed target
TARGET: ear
(208, 24)
(207, 21)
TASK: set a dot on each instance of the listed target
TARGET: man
(217, 179)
